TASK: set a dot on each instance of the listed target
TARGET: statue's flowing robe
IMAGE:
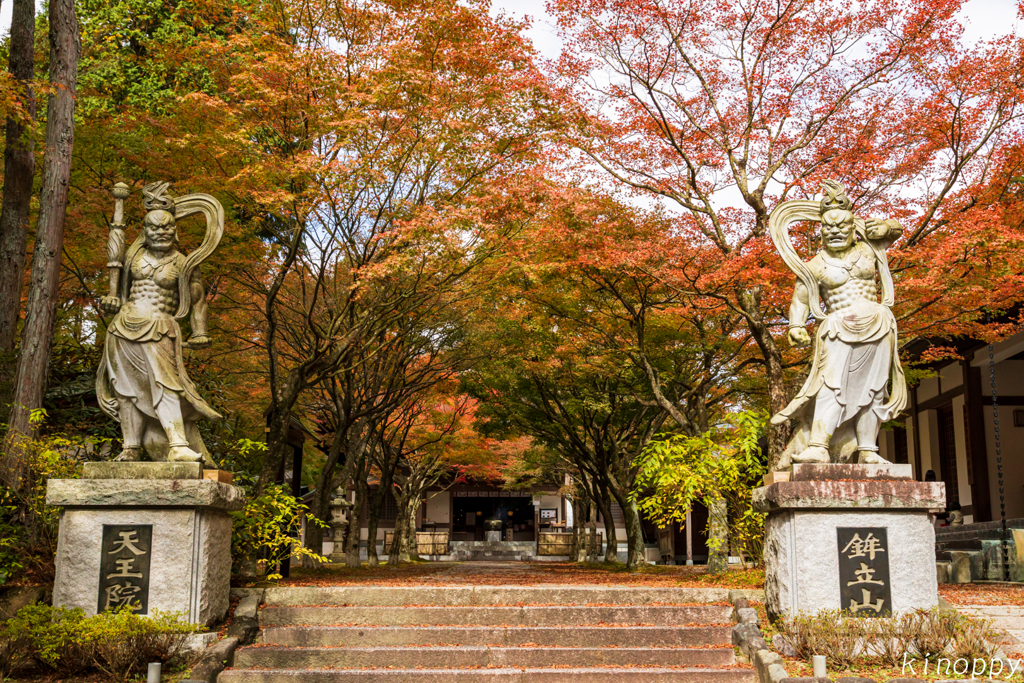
(855, 357)
(142, 361)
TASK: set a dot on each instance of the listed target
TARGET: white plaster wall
(911, 452)
(929, 388)
(439, 506)
(930, 443)
(1009, 378)
(887, 444)
(1013, 462)
(960, 430)
(951, 376)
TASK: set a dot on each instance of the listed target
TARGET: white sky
(982, 19)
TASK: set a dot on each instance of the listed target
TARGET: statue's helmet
(834, 197)
(156, 196)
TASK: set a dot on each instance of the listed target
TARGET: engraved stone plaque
(864, 586)
(124, 567)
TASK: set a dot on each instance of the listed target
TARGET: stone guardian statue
(856, 381)
(154, 288)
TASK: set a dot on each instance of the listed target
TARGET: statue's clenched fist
(798, 337)
(198, 341)
(876, 229)
(110, 304)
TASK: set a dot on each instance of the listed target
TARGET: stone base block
(860, 538)
(160, 545)
(802, 558)
(142, 470)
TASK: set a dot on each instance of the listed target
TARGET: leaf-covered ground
(982, 594)
(880, 672)
(521, 573)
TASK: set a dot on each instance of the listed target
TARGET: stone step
(508, 675)
(558, 615)
(498, 595)
(492, 545)
(475, 656)
(594, 636)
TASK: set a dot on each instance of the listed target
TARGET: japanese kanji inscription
(864, 571)
(124, 567)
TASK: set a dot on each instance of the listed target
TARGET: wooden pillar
(918, 474)
(977, 445)
(297, 469)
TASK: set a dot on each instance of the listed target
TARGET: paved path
(515, 572)
(1007, 619)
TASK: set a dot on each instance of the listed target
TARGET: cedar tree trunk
(40, 313)
(19, 168)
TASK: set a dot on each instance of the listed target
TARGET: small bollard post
(153, 675)
(819, 666)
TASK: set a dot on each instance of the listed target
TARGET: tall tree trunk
(19, 169)
(356, 525)
(718, 535)
(398, 553)
(611, 548)
(323, 491)
(278, 424)
(581, 512)
(373, 509)
(411, 549)
(593, 549)
(635, 555)
(778, 393)
(40, 313)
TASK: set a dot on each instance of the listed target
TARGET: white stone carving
(856, 381)
(141, 380)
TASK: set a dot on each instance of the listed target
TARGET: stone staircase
(492, 634)
(493, 550)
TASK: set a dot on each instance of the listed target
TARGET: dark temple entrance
(469, 513)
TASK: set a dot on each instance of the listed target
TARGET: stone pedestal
(158, 538)
(492, 536)
(855, 537)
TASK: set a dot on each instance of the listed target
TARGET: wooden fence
(554, 543)
(427, 542)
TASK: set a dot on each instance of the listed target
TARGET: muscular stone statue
(142, 381)
(856, 381)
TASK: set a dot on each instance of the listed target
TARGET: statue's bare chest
(844, 280)
(155, 281)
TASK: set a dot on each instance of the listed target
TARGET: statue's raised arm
(141, 380)
(856, 381)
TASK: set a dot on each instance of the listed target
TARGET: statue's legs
(132, 426)
(868, 424)
(168, 411)
(827, 413)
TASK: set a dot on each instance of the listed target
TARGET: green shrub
(58, 638)
(15, 649)
(124, 642)
(28, 526)
(266, 531)
(119, 644)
